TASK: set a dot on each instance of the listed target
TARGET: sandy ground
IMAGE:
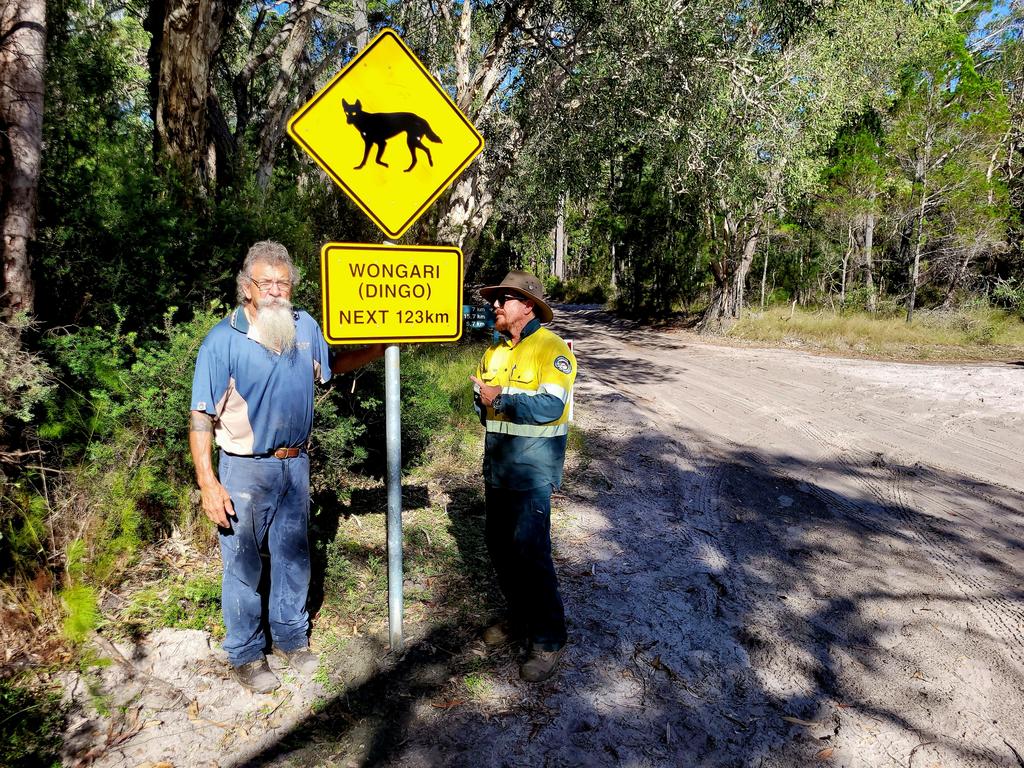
(768, 559)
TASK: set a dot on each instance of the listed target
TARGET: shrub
(857, 299)
(436, 401)
(120, 429)
(33, 723)
(192, 604)
(1010, 294)
(554, 288)
(26, 379)
(582, 291)
(82, 611)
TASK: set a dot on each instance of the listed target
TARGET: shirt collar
(239, 320)
(530, 327)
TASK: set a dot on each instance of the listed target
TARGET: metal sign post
(393, 424)
(388, 293)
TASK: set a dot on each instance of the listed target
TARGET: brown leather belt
(286, 453)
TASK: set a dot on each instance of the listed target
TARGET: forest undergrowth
(105, 534)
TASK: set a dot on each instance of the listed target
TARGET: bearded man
(253, 392)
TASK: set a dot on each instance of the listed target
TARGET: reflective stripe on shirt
(527, 430)
(545, 389)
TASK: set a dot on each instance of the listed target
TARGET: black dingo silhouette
(378, 127)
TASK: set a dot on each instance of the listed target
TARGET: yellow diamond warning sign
(387, 133)
(388, 293)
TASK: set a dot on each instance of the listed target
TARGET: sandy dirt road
(769, 559)
(832, 541)
(773, 559)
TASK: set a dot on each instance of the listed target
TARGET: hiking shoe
(302, 660)
(498, 635)
(256, 676)
(540, 665)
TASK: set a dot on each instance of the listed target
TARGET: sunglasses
(507, 297)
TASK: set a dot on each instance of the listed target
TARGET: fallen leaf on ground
(193, 709)
(449, 704)
(825, 754)
(798, 721)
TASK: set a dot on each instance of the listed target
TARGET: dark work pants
(271, 501)
(518, 534)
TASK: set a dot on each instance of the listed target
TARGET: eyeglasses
(507, 297)
(266, 285)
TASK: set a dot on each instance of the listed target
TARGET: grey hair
(265, 252)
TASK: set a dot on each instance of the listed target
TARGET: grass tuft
(81, 611)
(977, 333)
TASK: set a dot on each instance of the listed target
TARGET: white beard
(275, 325)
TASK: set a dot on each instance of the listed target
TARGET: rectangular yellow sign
(391, 293)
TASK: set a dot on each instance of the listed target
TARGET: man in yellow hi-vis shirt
(523, 385)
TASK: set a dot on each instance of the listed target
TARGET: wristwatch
(497, 403)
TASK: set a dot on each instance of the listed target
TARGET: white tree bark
(560, 238)
(281, 95)
(869, 265)
(22, 64)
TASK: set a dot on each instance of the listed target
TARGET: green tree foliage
(942, 133)
(116, 228)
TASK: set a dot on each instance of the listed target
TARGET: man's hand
(487, 392)
(350, 359)
(217, 503)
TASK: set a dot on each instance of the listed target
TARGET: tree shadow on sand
(739, 611)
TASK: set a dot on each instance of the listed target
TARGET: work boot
(302, 660)
(540, 665)
(256, 676)
(497, 635)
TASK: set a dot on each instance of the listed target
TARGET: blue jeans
(518, 535)
(271, 501)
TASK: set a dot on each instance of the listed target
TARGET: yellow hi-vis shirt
(528, 425)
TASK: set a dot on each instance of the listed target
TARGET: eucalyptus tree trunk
(187, 35)
(764, 271)
(240, 84)
(560, 238)
(22, 63)
(360, 23)
(915, 271)
(281, 95)
(869, 269)
(465, 211)
(846, 264)
(730, 273)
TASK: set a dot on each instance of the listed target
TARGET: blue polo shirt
(261, 400)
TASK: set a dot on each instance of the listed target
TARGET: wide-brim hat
(527, 286)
